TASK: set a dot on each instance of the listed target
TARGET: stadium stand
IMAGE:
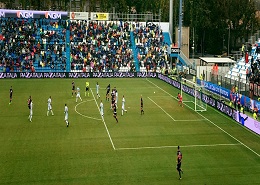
(32, 44)
(100, 46)
(151, 48)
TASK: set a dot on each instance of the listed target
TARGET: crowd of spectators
(152, 50)
(100, 46)
(26, 44)
(29, 43)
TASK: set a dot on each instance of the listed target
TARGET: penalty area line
(162, 109)
(183, 146)
(211, 122)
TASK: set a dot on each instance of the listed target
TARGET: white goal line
(183, 146)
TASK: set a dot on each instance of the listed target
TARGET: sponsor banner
(215, 88)
(78, 75)
(79, 15)
(219, 105)
(248, 122)
(28, 14)
(97, 16)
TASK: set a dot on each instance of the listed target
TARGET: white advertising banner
(79, 15)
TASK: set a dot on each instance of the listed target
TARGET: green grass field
(137, 150)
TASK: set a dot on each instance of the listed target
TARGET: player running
(66, 112)
(108, 91)
(115, 113)
(101, 106)
(142, 106)
(11, 95)
(87, 89)
(49, 107)
(97, 88)
(179, 160)
(179, 97)
(123, 105)
(73, 88)
(78, 94)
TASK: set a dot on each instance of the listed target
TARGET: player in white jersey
(123, 105)
(97, 88)
(66, 112)
(31, 111)
(116, 97)
(101, 106)
(49, 107)
(78, 94)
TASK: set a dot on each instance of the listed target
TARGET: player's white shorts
(31, 112)
(123, 107)
(66, 117)
(78, 95)
(102, 112)
(49, 107)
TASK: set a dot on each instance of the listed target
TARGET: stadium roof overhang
(216, 60)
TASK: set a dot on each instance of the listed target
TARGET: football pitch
(140, 149)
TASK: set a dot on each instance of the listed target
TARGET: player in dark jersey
(73, 88)
(179, 160)
(142, 106)
(115, 113)
(108, 91)
(113, 98)
(29, 102)
(11, 95)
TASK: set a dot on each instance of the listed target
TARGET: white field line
(103, 122)
(211, 122)
(191, 120)
(170, 115)
(183, 146)
(83, 114)
(162, 109)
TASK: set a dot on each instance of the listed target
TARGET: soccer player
(123, 105)
(49, 106)
(78, 94)
(66, 112)
(178, 151)
(116, 97)
(179, 160)
(73, 88)
(31, 111)
(29, 101)
(101, 106)
(11, 95)
(87, 89)
(97, 88)
(115, 113)
(180, 99)
(113, 99)
(108, 91)
(142, 105)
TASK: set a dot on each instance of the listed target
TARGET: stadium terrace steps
(135, 51)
